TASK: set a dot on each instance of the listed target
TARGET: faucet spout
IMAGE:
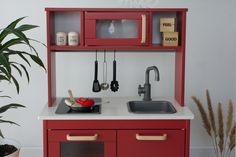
(156, 71)
(146, 89)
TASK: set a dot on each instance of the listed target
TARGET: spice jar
(73, 38)
(61, 39)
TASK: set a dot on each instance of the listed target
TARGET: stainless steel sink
(150, 107)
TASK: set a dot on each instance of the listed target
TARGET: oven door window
(82, 149)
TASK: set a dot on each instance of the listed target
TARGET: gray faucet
(146, 89)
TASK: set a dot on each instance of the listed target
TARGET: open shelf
(66, 22)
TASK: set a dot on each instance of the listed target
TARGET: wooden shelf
(156, 47)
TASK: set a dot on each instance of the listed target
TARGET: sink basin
(145, 107)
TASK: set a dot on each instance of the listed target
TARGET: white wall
(210, 59)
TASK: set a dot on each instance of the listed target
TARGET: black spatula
(96, 85)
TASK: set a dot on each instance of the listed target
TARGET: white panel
(76, 71)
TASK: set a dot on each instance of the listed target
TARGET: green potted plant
(14, 61)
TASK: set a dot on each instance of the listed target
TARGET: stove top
(64, 109)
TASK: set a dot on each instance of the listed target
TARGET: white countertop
(115, 108)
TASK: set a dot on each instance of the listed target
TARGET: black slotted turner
(114, 83)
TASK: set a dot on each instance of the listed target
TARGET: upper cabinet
(116, 28)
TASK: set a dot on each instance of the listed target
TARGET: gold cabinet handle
(151, 138)
(143, 40)
(81, 138)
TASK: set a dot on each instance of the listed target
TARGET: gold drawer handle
(151, 138)
(81, 138)
(143, 40)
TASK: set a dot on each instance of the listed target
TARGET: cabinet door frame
(90, 28)
(55, 137)
(151, 143)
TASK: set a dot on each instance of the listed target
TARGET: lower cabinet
(151, 143)
(121, 138)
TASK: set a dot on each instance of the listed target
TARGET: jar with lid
(73, 38)
(61, 38)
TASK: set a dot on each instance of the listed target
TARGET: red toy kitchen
(113, 127)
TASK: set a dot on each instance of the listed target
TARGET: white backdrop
(210, 59)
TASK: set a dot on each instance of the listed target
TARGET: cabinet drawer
(151, 143)
(81, 135)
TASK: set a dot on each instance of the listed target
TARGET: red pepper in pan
(86, 102)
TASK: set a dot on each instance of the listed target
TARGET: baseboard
(31, 152)
(194, 152)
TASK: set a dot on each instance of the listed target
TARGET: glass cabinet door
(82, 143)
(126, 28)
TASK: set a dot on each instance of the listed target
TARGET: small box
(167, 24)
(170, 38)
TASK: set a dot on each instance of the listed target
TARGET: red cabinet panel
(116, 28)
(83, 143)
(151, 143)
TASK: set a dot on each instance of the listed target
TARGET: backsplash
(77, 73)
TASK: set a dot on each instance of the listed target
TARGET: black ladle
(105, 85)
(96, 85)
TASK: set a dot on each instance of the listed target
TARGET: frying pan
(76, 106)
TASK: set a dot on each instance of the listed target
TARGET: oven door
(115, 28)
(82, 143)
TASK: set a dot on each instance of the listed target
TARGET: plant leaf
(1, 134)
(3, 70)
(9, 43)
(5, 96)
(37, 42)
(23, 57)
(16, 84)
(37, 60)
(8, 121)
(20, 53)
(26, 27)
(2, 77)
(10, 106)
(26, 72)
(31, 48)
(20, 35)
(5, 63)
(12, 25)
(19, 71)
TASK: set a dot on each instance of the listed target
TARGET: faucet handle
(140, 90)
